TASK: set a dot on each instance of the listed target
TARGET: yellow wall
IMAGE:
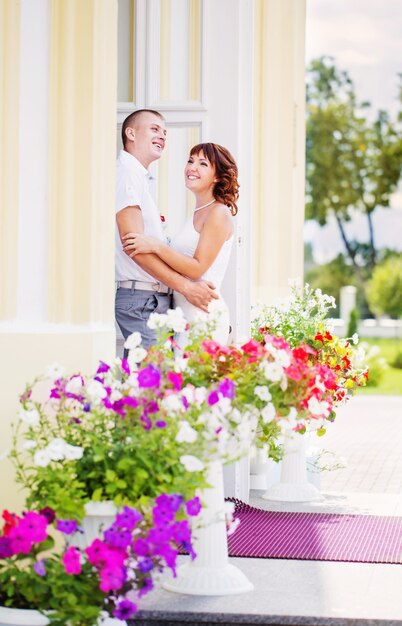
(9, 179)
(279, 147)
(79, 329)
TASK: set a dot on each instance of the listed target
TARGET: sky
(365, 38)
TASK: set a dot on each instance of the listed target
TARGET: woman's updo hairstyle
(226, 188)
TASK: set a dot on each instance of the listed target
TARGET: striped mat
(316, 536)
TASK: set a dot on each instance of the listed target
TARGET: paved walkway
(368, 432)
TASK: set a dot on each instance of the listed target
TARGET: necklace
(204, 206)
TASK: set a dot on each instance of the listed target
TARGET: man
(144, 285)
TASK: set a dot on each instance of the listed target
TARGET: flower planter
(99, 515)
(21, 617)
(31, 617)
(294, 485)
(210, 574)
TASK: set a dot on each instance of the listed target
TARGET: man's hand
(200, 293)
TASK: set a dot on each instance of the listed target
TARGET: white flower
(228, 508)
(55, 449)
(232, 526)
(74, 385)
(115, 395)
(318, 408)
(42, 458)
(268, 413)
(200, 393)
(191, 463)
(283, 358)
(172, 403)
(271, 371)
(235, 416)
(29, 416)
(136, 355)
(73, 453)
(263, 393)
(176, 320)
(319, 383)
(96, 391)
(133, 341)
(290, 421)
(186, 434)
(55, 370)
(355, 338)
(180, 364)
(157, 320)
(222, 407)
(29, 445)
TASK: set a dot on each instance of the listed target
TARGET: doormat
(315, 536)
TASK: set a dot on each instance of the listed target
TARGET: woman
(201, 249)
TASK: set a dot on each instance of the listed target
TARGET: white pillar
(347, 302)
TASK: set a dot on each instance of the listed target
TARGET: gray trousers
(133, 308)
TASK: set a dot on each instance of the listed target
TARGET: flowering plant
(108, 576)
(100, 437)
(303, 322)
(275, 383)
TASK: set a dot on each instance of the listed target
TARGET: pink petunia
(72, 561)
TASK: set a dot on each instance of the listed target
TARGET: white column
(229, 99)
(33, 162)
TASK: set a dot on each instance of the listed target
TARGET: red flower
(347, 362)
(319, 337)
(210, 346)
(11, 520)
(301, 353)
(163, 218)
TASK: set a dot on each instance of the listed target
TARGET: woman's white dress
(186, 242)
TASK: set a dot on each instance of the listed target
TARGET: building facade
(228, 71)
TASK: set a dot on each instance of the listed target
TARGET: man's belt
(143, 285)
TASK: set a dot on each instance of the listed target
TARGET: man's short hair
(133, 118)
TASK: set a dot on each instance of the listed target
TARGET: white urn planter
(21, 617)
(98, 517)
(293, 485)
(31, 617)
(210, 573)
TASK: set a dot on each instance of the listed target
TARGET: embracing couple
(191, 268)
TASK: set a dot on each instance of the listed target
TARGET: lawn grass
(391, 383)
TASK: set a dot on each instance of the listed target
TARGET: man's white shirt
(132, 189)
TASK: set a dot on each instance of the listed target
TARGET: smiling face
(199, 173)
(146, 138)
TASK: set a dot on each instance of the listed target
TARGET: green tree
(352, 163)
(384, 291)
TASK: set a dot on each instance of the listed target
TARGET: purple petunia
(128, 518)
(149, 376)
(40, 567)
(145, 565)
(213, 398)
(6, 549)
(66, 526)
(103, 368)
(147, 586)
(125, 366)
(125, 609)
(117, 537)
(48, 513)
(227, 388)
(193, 507)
